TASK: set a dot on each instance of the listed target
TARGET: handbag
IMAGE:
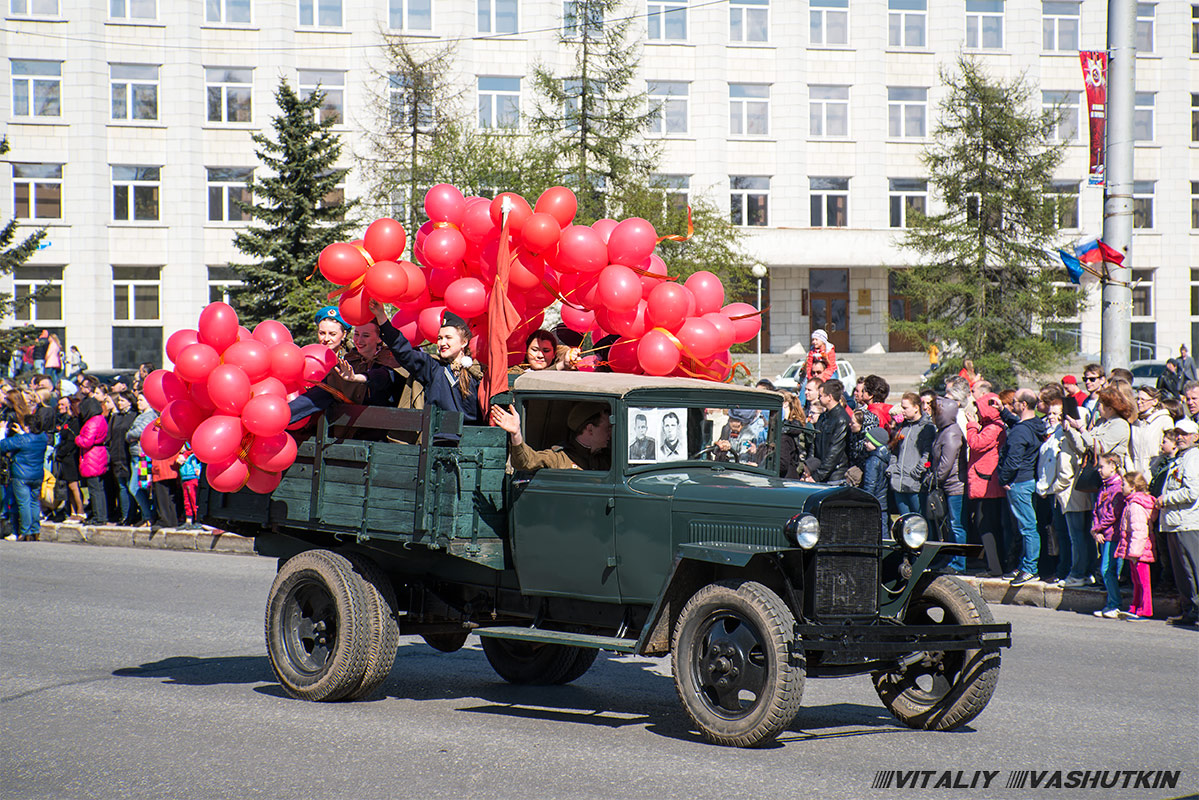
(1088, 479)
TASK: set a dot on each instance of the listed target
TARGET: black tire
(317, 622)
(446, 642)
(529, 662)
(734, 664)
(383, 635)
(945, 689)
(584, 658)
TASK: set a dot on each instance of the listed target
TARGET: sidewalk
(993, 590)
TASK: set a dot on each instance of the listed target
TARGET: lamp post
(759, 272)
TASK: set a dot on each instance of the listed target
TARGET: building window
(907, 109)
(37, 294)
(749, 200)
(984, 24)
(135, 293)
(669, 101)
(33, 8)
(230, 93)
(36, 88)
(749, 20)
(907, 20)
(1195, 117)
(667, 20)
(907, 195)
(135, 193)
(1142, 118)
(828, 111)
(830, 202)
(749, 109)
(1194, 305)
(1194, 205)
(1064, 196)
(229, 12)
(499, 102)
(134, 91)
(333, 84)
(37, 191)
(227, 186)
(335, 196)
(320, 13)
(1142, 204)
(1144, 329)
(974, 213)
(498, 16)
(573, 27)
(1145, 34)
(406, 104)
(1194, 29)
(574, 93)
(410, 15)
(678, 191)
(132, 9)
(221, 283)
(1065, 108)
(1059, 25)
(828, 22)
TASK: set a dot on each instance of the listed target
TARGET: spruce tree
(11, 257)
(300, 209)
(984, 278)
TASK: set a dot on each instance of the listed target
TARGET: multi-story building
(130, 124)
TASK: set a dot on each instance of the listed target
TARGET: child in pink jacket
(1109, 510)
(1136, 542)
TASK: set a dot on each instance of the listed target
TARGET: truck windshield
(664, 434)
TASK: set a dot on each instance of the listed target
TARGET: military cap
(330, 312)
(582, 412)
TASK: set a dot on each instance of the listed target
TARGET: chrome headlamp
(912, 530)
(802, 530)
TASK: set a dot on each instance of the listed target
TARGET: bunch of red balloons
(606, 275)
(227, 395)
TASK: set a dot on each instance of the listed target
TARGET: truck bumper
(889, 641)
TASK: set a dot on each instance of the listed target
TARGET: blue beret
(330, 312)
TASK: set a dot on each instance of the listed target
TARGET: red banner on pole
(1094, 77)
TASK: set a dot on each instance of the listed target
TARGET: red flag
(502, 319)
(1110, 254)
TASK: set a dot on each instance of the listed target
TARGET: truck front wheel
(735, 666)
(317, 626)
(945, 689)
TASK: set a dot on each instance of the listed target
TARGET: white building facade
(130, 124)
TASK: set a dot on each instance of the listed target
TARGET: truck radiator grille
(847, 583)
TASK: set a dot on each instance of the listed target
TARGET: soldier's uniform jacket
(570, 455)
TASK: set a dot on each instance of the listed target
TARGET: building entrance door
(901, 308)
(829, 298)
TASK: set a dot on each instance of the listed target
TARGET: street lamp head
(758, 271)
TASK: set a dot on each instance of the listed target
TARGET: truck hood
(730, 493)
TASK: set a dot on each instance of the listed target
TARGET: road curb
(203, 541)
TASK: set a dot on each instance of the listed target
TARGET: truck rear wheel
(530, 662)
(317, 626)
(945, 689)
(383, 634)
(734, 666)
(584, 658)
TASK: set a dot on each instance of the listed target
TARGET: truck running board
(613, 643)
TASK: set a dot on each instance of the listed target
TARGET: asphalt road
(143, 674)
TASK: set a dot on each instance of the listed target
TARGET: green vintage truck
(750, 582)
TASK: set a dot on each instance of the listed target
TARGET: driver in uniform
(586, 447)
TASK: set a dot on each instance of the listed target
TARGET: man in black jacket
(830, 454)
(1018, 474)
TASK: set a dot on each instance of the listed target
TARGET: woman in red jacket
(93, 456)
(985, 436)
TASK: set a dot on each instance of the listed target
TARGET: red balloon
(199, 396)
(181, 417)
(429, 322)
(538, 296)
(516, 217)
(272, 453)
(196, 361)
(418, 285)
(385, 239)
(243, 333)
(582, 249)
(444, 248)
(630, 324)
(229, 388)
(466, 297)
(657, 354)
(631, 241)
(540, 232)
(227, 475)
(560, 203)
(725, 331)
(444, 203)
(656, 269)
(252, 356)
(440, 280)
(318, 361)
(179, 340)
(218, 326)
(266, 415)
(667, 306)
(576, 319)
(217, 438)
(342, 263)
(355, 308)
(604, 228)
(272, 332)
(477, 224)
(699, 337)
(261, 482)
(746, 328)
(708, 291)
(526, 271)
(158, 444)
(161, 387)
(287, 362)
(387, 282)
(619, 288)
(268, 386)
(622, 357)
